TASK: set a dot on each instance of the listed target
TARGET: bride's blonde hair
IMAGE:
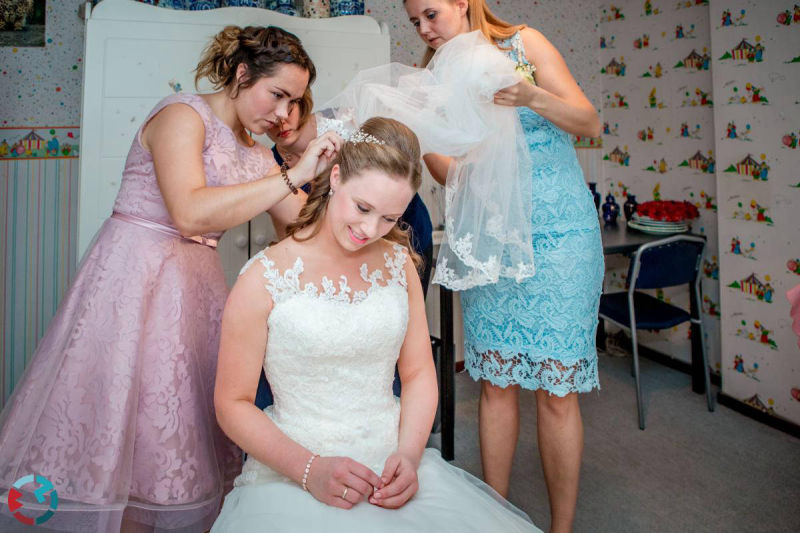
(398, 155)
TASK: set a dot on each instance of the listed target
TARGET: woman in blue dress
(539, 333)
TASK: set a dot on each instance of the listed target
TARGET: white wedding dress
(330, 361)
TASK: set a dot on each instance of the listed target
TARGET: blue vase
(629, 207)
(610, 211)
(340, 8)
(595, 194)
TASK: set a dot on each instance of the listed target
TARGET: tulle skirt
(116, 406)
(448, 499)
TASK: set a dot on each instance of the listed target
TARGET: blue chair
(668, 262)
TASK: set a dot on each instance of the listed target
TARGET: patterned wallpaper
(700, 103)
(38, 236)
(41, 86)
(658, 141)
(757, 122)
(40, 89)
(44, 84)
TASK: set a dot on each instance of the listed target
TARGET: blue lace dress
(540, 334)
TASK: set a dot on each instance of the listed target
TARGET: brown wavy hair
(261, 49)
(481, 18)
(399, 157)
(305, 105)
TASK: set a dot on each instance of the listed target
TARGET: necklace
(247, 138)
(244, 137)
(288, 158)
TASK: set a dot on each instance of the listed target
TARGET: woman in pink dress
(116, 406)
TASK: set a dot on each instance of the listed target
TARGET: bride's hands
(318, 156)
(330, 476)
(400, 482)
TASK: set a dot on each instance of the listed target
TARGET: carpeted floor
(689, 471)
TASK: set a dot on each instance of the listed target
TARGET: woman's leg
(560, 431)
(499, 429)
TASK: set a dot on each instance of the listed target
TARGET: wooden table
(616, 240)
(621, 240)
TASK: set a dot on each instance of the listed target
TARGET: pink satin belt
(163, 228)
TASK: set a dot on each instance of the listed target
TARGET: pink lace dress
(116, 406)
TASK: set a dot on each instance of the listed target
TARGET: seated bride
(328, 312)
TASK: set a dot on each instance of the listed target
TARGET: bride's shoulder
(279, 257)
(398, 259)
(393, 249)
(251, 294)
(276, 268)
(263, 263)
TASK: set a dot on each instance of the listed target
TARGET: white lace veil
(449, 105)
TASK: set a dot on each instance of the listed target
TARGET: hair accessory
(360, 136)
(284, 168)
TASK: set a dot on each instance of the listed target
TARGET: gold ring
(344, 494)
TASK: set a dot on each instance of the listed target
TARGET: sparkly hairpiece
(360, 136)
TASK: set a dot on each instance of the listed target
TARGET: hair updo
(399, 157)
(261, 49)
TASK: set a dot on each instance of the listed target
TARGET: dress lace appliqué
(287, 284)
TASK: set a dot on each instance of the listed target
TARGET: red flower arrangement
(668, 210)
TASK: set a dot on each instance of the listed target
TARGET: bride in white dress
(328, 312)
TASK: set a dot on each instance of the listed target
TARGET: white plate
(658, 231)
(646, 221)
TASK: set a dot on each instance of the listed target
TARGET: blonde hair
(399, 157)
(481, 18)
(261, 49)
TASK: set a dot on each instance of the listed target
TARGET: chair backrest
(667, 262)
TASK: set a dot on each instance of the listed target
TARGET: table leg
(447, 384)
(698, 372)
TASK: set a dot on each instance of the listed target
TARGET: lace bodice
(330, 357)
(561, 199)
(225, 162)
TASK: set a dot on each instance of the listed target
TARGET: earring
(330, 192)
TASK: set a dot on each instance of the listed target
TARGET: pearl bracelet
(308, 469)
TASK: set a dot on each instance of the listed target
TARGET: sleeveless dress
(116, 406)
(330, 359)
(540, 333)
